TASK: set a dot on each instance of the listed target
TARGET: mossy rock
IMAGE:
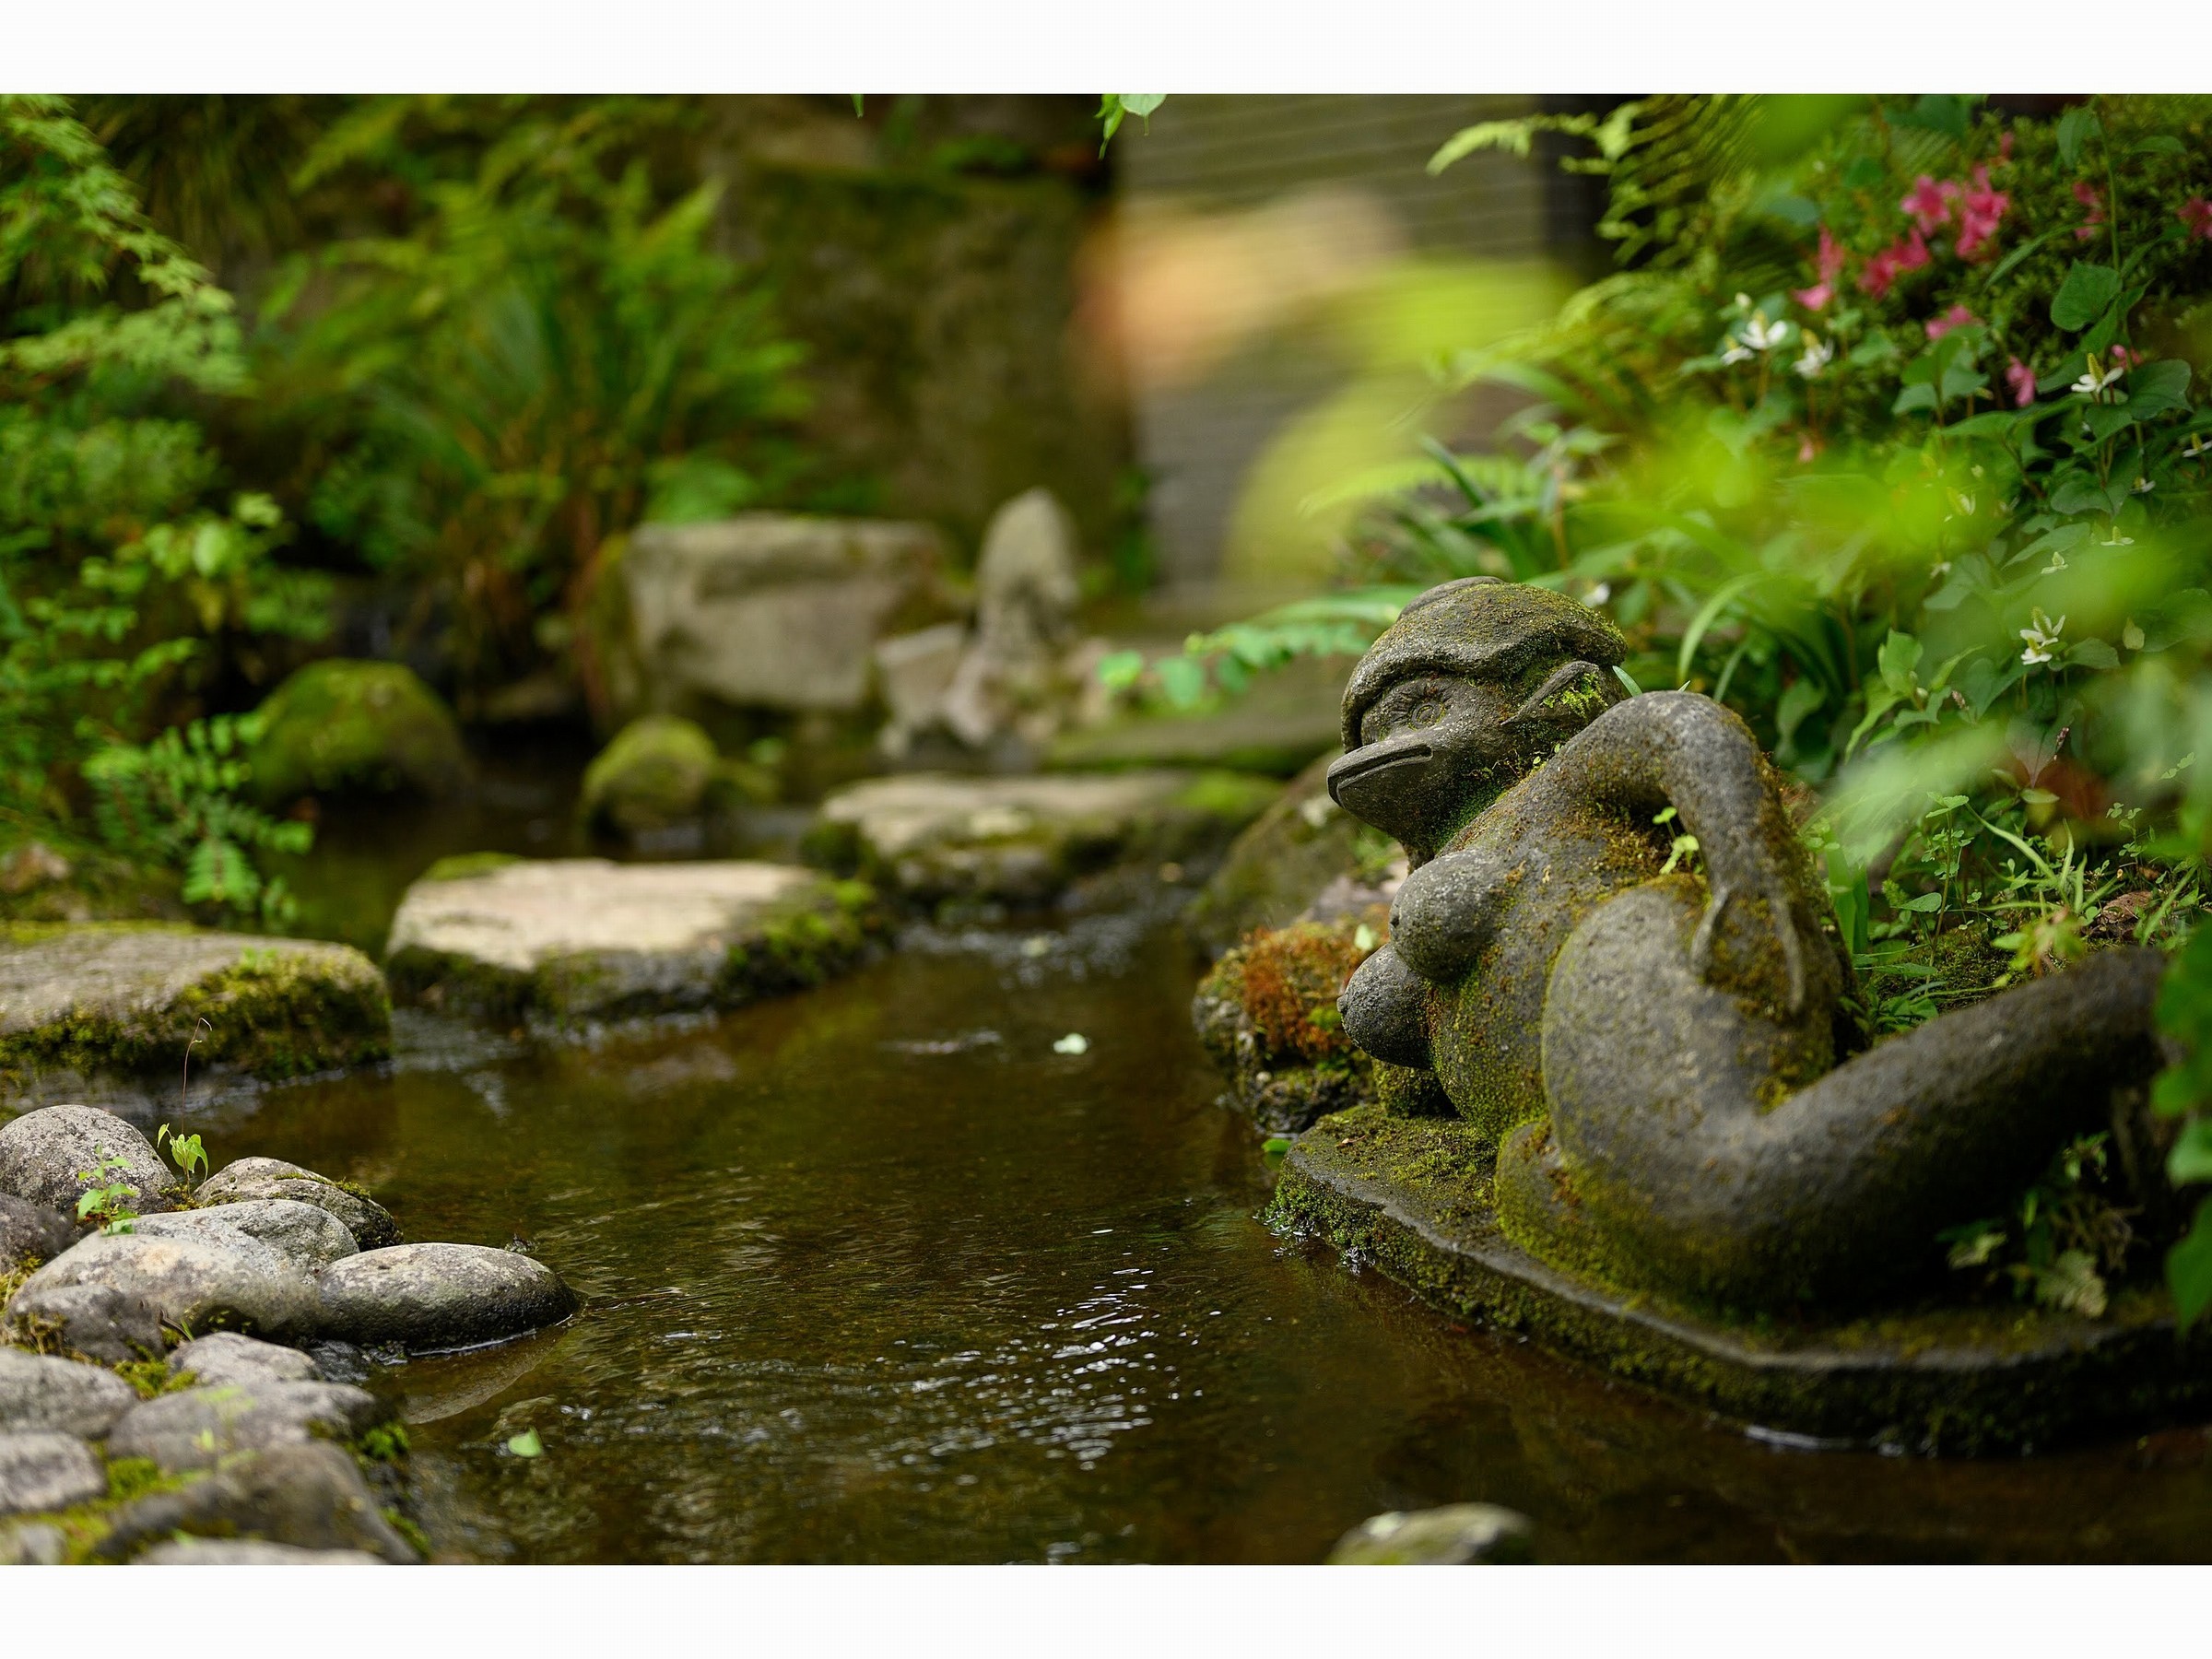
(1414, 1197)
(661, 770)
(568, 942)
(125, 998)
(1267, 1014)
(1024, 841)
(341, 726)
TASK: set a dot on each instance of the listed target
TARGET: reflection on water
(875, 1275)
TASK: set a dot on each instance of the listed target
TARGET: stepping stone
(572, 940)
(124, 998)
(931, 837)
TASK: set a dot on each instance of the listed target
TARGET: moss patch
(459, 867)
(341, 726)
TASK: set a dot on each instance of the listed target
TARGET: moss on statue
(342, 726)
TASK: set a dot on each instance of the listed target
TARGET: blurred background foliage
(1889, 429)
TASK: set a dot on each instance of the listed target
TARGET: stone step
(932, 837)
(575, 940)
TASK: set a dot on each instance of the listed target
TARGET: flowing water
(874, 1274)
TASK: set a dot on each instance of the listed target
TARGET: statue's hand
(1443, 912)
(1747, 942)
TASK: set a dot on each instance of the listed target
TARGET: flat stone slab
(1399, 1194)
(577, 939)
(931, 836)
(119, 997)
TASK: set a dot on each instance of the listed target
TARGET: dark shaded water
(874, 1274)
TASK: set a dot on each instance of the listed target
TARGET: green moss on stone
(459, 867)
(341, 726)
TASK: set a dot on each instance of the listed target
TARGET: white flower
(2117, 540)
(2058, 562)
(1733, 353)
(1763, 336)
(1816, 357)
(2042, 635)
(1965, 503)
(2198, 448)
(2144, 486)
(2094, 382)
(1942, 567)
(1598, 594)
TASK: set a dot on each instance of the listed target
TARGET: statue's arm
(1676, 748)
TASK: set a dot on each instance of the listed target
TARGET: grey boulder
(42, 1470)
(370, 1223)
(93, 1321)
(248, 1552)
(40, 1391)
(227, 1359)
(52, 1156)
(310, 1496)
(1458, 1534)
(200, 1426)
(433, 1297)
(31, 1233)
(310, 1236)
(33, 1544)
(194, 1283)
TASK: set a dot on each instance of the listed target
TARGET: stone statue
(1658, 1044)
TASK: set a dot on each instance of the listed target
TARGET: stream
(873, 1274)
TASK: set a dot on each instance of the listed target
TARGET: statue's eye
(1427, 712)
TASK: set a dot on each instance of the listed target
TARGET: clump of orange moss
(1290, 977)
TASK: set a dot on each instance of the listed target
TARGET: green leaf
(2189, 1269)
(2191, 1158)
(2093, 654)
(2085, 294)
(2073, 1284)
(2155, 388)
(1897, 658)
(527, 1444)
(2076, 128)
(2162, 143)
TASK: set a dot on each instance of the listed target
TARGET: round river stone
(430, 1297)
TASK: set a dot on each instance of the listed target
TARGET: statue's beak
(1381, 783)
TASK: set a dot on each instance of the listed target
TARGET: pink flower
(2196, 217)
(1978, 212)
(2005, 145)
(1957, 317)
(2088, 198)
(1827, 265)
(1807, 448)
(2021, 379)
(1930, 202)
(2123, 358)
(1882, 268)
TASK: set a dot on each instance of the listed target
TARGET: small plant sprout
(1683, 849)
(108, 1202)
(185, 1152)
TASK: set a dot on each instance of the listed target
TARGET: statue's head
(1475, 683)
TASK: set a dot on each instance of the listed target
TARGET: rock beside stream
(125, 998)
(37, 1391)
(1458, 1534)
(89, 1322)
(343, 726)
(250, 1179)
(230, 1281)
(310, 1496)
(581, 939)
(52, 1157)
(307, 1235)
(435, 1296)
(225, 1358)
(931, 837)
(249, 1552)
(198, 1428)
(44, 1469)
(30, 1233)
